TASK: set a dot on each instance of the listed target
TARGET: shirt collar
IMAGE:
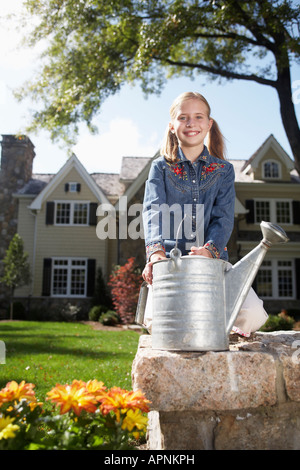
(203, 155)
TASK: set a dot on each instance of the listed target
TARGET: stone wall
(246, 398)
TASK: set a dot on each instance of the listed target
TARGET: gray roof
(132, 166)
(114, 185)
(36, 184)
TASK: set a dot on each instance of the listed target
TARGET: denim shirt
(204, 192)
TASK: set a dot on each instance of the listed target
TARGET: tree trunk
(288, 115)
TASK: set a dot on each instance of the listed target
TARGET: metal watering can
(196, 299)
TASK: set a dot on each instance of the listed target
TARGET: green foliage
(16, 267)
(97, 46)
(101, 295)
(278, 322)
(96, 312)
(109, 318)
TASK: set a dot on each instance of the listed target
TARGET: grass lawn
(47, 353)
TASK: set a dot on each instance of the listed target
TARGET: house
(57, 217)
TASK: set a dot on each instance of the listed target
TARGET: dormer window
(271, 170)
(72, 187)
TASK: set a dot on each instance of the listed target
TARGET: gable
(269, 162)
(72, 172)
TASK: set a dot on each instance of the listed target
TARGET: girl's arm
(155, 196)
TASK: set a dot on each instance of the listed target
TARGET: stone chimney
(16, 170)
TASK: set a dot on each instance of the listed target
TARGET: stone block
(246, 398)
(205, 381)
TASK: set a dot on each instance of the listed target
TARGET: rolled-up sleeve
(154, 197)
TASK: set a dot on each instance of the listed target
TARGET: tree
(125, 283)
(96, 46)
(16, 268)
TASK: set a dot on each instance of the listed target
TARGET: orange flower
(96, 388)
(136, 400)
(13, 391)
(74, 397)
(119, 401)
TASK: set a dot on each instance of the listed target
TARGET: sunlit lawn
(46, 353)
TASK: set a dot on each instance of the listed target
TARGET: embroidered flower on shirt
(210, 168)
(178, 171)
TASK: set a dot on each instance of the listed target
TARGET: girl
(189, 175)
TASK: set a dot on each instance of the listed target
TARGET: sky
(128, 123)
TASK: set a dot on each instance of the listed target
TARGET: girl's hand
(147, 272)
(200, 250)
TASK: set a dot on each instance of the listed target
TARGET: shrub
(96, 312)
(278, 322)
(125, 283)
(101, 294)
(109, 318)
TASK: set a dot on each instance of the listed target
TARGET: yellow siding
(265, 191)
(73, 176)
(61, 241)
(271, 155)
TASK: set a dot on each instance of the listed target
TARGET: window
(275, 279)
(72, 213)
(69, 277)
(279, 212)
(271, 169)
(72, 187)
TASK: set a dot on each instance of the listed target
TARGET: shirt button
(194, 181)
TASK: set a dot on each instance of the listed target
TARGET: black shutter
(249, 203)
(47, 277)
(297, 265)
(78, 187)
(91, 272)
(50, 213)
(93, 217)
(296, 212)
(67, 187)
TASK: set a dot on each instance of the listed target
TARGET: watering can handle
(141, 305)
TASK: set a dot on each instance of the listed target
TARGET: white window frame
(271, 177)
(72, 187)
(69, 269)
(274, 268)
(273, 210)
(72, 210)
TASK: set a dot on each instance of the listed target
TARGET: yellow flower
(7, 429)
(74, 397)
(135, 419)
(14, 391)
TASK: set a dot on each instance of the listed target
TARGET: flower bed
(87, 416)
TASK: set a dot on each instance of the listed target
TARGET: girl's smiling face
(191, 125)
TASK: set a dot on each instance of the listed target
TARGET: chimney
(16, 170)
(16, 160)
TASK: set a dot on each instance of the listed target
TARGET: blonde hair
(215, 143)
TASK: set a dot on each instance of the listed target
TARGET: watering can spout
(239, 279)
